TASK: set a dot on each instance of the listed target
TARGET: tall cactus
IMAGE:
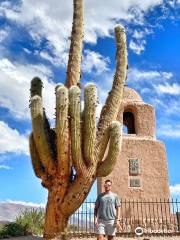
(76, 141)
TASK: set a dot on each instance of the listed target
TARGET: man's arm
(118, 214)
(118, 211)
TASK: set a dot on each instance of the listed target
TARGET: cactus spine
(75, 141)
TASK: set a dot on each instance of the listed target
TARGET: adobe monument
(141, 171)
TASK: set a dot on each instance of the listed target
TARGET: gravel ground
(93, 238)
(24, 238)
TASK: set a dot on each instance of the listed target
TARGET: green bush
(1, 227)
(32, 220)
(12, 230)
(1, 231)
(28, 222)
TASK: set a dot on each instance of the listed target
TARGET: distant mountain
(4, 222)
(9, 211)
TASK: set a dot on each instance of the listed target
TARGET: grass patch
(29, 222)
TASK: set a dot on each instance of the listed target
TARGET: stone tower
(141, 171)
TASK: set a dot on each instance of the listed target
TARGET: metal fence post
(178, 220)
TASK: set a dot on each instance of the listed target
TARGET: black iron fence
(160, 216)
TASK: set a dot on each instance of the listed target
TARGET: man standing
(107, 212)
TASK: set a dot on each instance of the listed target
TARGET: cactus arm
(75, 126)
(75, 52)
(36, 87)
(110, 110)
(36, 162)
(90, 103)
(39, 169)
(62, 131)
(106, 166)
(78, 192)
(41, 133)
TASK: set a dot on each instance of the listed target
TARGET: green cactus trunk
(76, 142)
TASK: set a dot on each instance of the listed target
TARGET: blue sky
(34, 41)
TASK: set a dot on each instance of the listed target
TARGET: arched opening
(128, 123)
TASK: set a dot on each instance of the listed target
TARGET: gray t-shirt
(106, 205)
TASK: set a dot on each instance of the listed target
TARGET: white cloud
(172, 89)
(139, 34)
(15, 78)
(94, 63)
(171, 107)
(4, 157)
(15, 84)
(55, 60)
(175, 190)
(169, 130)
(3, 34)
(5, 167)
(138, 46)
(51, 21)
(135, 74)
(28, 204)
(27, 51)
(11, 140)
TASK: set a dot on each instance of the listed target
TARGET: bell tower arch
(129, 122)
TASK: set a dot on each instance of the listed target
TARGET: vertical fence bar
(125, 215)
(170, 215)
(149, 215)
(154, 217)
(141, 214)
(165, 203)
(86, 214)
(174, 221)
(93, 218)
(172, 225)
(121, 215)
(73, 221)
(130, 216)
(177, 216)
(134, 226)
(82, 219)
(162, 215)
(90, 224)
(146, 216)
(80, 213)
(137, 211)
(78, 220)
(158, 221)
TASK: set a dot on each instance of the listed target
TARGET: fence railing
(160, 216)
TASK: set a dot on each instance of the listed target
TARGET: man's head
(107, 185)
